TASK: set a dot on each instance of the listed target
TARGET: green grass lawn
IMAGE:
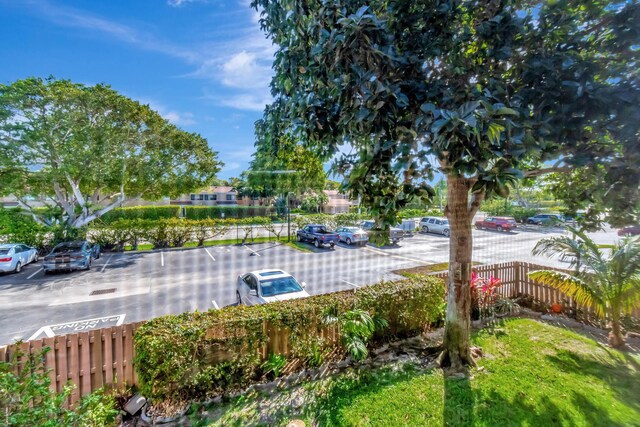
(532, 374)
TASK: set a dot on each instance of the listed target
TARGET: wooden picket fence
(89, 360)
(515, 282)
(105, 357)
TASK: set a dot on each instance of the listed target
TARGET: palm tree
(608, 284)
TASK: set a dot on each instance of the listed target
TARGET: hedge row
(501, 208)
(204, 212)
(173, 232)
(178, 356)
(141, 212)
(190, 212)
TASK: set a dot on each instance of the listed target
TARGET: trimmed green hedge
(204, 212)
(171, 232)
(141, 212)
(176, 356)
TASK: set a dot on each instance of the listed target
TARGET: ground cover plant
(531, 374)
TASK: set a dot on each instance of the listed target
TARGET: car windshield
(445, 222)
(283, 285)
(70, 247)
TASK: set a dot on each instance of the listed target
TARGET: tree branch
(475, 202)
(554, 169)
(23, 204)
(63, 201)
(77, 193)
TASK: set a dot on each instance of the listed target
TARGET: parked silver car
(432, 224)
(264, 286)
(71, 256)
(395, 234)
(15, 256)
(351, 235)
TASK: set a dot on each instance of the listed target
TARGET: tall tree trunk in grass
(460, 212)
(616, 339)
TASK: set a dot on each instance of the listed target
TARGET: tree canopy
(484, 92)
(82, 150)
(282, 165)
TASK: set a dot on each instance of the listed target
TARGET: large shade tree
(83, 150)
(483, 92)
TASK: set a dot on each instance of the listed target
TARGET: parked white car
(351, 235)
(265, 286)
(432, 224)
(15, 256)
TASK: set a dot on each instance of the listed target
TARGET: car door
(21, 254)
(490, 223)
(437, 226)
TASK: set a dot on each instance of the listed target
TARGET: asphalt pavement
(128, 287)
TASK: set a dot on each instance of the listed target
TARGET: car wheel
(18, 268)
(348, 241)
(331, 245)
(446, 232)
(299, 238)
(499, 228)
(425, 229)
(316, 243)
(238, 299)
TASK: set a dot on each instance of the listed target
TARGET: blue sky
(205, 65)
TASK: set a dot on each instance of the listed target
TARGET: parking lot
(128, 287)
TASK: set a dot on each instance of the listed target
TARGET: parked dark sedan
(71, 256)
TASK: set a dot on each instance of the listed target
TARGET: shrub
(141, 212)
(499, 208)
(195, 354)
(27, 400)
(419, 213)
(16, 227)
(205, 212)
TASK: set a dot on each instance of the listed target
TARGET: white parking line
(249, 249)
(214, 304)
(106, 263)
(349, 283)
(375, 251)
(161, 259)
(209, 253)
(34, 274)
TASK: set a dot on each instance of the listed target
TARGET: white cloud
(76, 18)
(245, 101)
(179, 119)
(239, 57)
(243, 70)
(179, 3)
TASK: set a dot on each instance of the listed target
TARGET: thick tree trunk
(457, 352)
(616, 340)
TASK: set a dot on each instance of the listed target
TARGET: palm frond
(630, 296)
(580, 290)
(586, 256)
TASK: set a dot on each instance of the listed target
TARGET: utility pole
(288, 219)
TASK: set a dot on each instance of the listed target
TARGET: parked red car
(499, 223)
(632, 230)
